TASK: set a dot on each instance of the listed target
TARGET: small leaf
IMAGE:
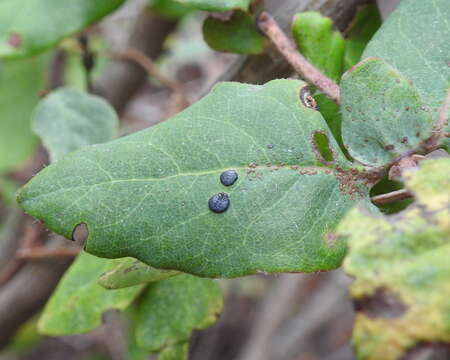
(146, 195)
(69, 119)
(218, 5)
(130, 272)
(415, 41)
(170, 8)
(383, 114)
(32, 26)
(78, 302)
(401, 268)
(175, 352)
(362, 28)
(171, 309)
(238, 34)
(20, 83)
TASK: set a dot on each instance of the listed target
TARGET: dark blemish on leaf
(404, 140)
(407, 108)
(321, 147)
(428, 350)
(348, 108)
(252, 165)
(270, 146)
(14, 40)
(219, 203)
(366, 140)
(80, 233)
(307, 99)
(418, 134)
(382, 303)
(228, 177)
(389, 147)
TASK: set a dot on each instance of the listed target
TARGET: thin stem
(38, 253)
(438, 128)
(391, 197)
(302, 66)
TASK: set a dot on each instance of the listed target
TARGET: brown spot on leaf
(389, 147)
(404, 140)
(14, 40)
(383, 303)
(307, 99)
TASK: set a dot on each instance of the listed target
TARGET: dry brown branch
(391, 197)
(302, 66)
(439, 126)
(41, 252)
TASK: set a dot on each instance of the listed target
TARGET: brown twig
(438, 128)
(304, 68)
(391, 197)
(42, 252)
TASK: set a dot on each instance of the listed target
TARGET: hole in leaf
(385, 186)
(321, 147)
(307, 99)
(80, 233)
(383, 303)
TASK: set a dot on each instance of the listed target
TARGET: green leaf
(171, 309)
(316, 40)
(31, 26)
(361, 30)
(415, 41)
(175, 352)
(78, 302)
(130, 272)
(20, 83)
(383, 114)
(238, 34)
(218, 5)
(401, 268)
(170, 8)
(146, 195)
(69, 119)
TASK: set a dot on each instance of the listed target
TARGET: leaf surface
(171, 309)
(415, 41)
(146, 195)
(78, 302)
(20, 83)
(69, 119)
(31, 26)
(401, 268)
(130, 272)
(384, 115)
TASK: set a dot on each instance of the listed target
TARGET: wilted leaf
(31, 26)
(384, 115)
(401, 268)
(130, 272)
(238, 34)
(218, 5)
(171, 309)
(415, 41)
(20, 83)
(78, 302)
(146, 195)
(69, 119)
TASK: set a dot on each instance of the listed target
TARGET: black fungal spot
(270, 146)
(219, 203)
(307, 99)
(228, 177)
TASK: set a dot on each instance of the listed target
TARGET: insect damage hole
(80, 233)
(321, 147)
(307, 99)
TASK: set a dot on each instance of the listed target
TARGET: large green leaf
(146, 195)
(31, 26)
(171, 309)
(384, 115)
(401, 268)
(218, 5)
(130, 272)
(78, 302)
(20, 83)
(69, 119)
(415, 41)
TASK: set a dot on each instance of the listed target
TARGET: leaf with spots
(78, 302)
(415, 41)
(131, 272)
(384, 115)
(401, 268)
(20, 84)
(171, 309)
(146, 195)
(28, 27)
(69, 119)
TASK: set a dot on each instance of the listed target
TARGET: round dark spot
(219, 203)
(389, 147)
(228, 177)
(270, 146)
